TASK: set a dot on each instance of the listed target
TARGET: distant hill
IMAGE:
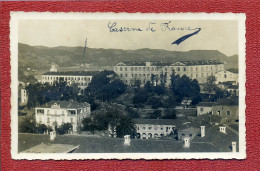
(41, 57)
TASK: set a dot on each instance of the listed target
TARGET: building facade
(189, 132)
(143, 71)
(204, 108)
(226, 76)
(55, 113)
(227, 109)
(81, 78)
(153, 128)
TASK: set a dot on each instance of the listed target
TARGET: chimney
(202, 130)
(234, 147)
(223, 129)
(147, 64)
(52, 135)
(127, 140)
(186, 142)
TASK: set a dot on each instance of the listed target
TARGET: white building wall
(24, 96)
(61, 115)
(224, 76)
(143, 73)
(203, 110)
(154, 130)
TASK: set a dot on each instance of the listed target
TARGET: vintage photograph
(115, 86)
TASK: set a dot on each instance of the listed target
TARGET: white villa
(55, 113)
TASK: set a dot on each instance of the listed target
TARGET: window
(225, 76)
(218, 112)
(148, 69)
(191, 69)
(138, 128)
(182, 134)
(40, 111)
(125, 75)
(143, 128)
(190, 135)
(178, 69)
(184, 68)
(121, 69)
(161, 128)
(228, 112)
(201, 109)
(135, 68)
(72, 112)
(196, 68)
(152, 69)
(48, 120)
(71, 120)
(139, 68)
(131, 69)
(125, 68)
(150, 128)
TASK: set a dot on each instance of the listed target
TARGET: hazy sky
(214, 35)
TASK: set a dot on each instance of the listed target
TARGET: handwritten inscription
(114, 27)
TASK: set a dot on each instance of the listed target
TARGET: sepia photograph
(118, 86)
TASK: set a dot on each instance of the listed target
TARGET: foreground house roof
(65, 104)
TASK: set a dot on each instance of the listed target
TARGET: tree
(211, 79)
(185, 87)
(141, 96)
(125, 127)
(156, 114)
(64, 128)
(155, 102)
(28, 124)
(88, 125)
(105, 86)
(169, 114)
(41, 128)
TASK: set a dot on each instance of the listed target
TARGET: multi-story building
(55, 113)
(81, 78)
(226, 76)
(227, 109)
(204, 108)
(143, 71)
(152, 128)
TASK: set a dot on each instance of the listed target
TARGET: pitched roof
(160, 63)
(65, 104)
(227, 102)
(156, 121)
(73, 73)
(206, 104)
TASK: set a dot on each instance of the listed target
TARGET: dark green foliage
(64, 128)
(39, 94)
(155, 102)
(157, 114)
(184, 87)
(105, 86)
(28, 124)
(125, 127)
(211, 79)
(169, 114)
(109, 115)
(141, 96)
(41, 128)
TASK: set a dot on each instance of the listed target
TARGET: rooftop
(206, 104)
(227, 102)
(160, 63)
(51, 148)
(156, 121)
(72, 73)
(65, 104)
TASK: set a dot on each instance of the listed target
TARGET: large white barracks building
(81, 78)
(199, 70)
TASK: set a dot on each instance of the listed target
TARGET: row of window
(48, 120)
(71, 112)
(66, 78)
(157, 75)
(202, 68)
(155, 128)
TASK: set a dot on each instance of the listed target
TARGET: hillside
(40, 57)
